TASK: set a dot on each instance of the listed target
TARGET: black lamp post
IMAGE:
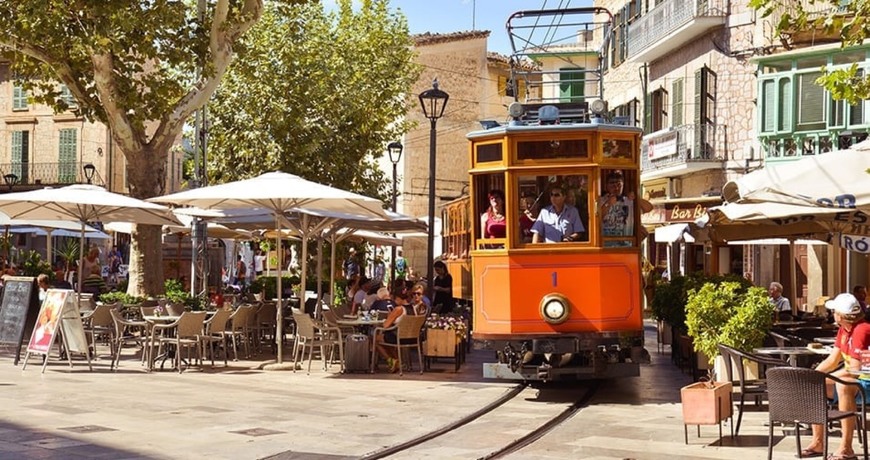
(395, 150)
(89, 170)
(10, 180)
(433, 101)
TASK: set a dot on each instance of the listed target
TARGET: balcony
(672, 24)
(35, 175)
(682, 150)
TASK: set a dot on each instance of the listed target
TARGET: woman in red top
(492, 221)
(852, 338)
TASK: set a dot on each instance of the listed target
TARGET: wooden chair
(798, 395)
(408, 336)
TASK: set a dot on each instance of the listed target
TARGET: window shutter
(677, 106)
(811, 101)
(572, 85)
(19, 98)
(768, 106)
(647, 114)
(66, 156)
(786, 105)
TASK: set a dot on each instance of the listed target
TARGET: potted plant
(444, 335)
(730, 313)
(705, 403)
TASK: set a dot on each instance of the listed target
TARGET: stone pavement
(242, 412)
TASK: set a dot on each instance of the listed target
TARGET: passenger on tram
(528, 214)
(493, 221)
(617, 208)
(559, 221)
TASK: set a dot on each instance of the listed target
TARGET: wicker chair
(408, 335)
(125, 333)
(238, 330)
(188, 334)
(215, 331)
(263, 326)
(310, 334)
(798, 395)
(741, 385)
(100, 322)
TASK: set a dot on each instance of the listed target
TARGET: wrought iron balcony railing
(668, 17)
(45, 174)
(683, 144)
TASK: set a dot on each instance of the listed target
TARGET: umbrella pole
(48, 248)
(81, 267)
(279, 328)
(318, 308)
(304, 264)
(792, 273)
(332, 269)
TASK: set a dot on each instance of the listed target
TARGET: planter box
(706, 406)
(665, 333)
(440, 343)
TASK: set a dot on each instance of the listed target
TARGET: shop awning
(673, 233)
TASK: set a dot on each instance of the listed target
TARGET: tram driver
(558, 222)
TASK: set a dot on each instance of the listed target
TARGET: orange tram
(556, 293)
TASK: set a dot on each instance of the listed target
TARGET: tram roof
(556, 128)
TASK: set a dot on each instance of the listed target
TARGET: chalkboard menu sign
(18, 309)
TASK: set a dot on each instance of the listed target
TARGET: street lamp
(89, 169)
(433, 102)
(395, 150)
(10, 179)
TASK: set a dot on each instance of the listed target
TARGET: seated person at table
(383, 301)
(559, 221)
(781, 305)
(42, 281)
(402, 308)
(359, 295)
(853, 336)
(94, 283)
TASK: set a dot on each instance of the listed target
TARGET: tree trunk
(146, 172)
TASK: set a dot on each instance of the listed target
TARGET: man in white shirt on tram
(559, 221)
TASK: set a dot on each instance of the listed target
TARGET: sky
(443, 16)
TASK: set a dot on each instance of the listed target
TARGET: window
(617, 207)
(572, 84)
(66, 167)
(553, 208)
(627, 114)
(553, 149)
(20, 154)
(811, 102)
(67, 97)
(705, 114)
(677, 104)
(488, 152)
(19, 97)
(655, 111)
(506, 87)
(490, 207)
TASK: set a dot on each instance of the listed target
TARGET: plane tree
(140, 67)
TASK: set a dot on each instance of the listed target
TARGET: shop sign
(684, 212)
(662, 146)
(855, 243)
(656, 216)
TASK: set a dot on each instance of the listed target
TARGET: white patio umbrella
(83, 203)
(836, 179)
(278, 193)
(48, 228)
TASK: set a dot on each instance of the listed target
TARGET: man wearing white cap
(852, 338)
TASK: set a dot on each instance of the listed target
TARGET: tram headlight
(555, 308)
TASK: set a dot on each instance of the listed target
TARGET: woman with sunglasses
(419, 301)
(492, 222)
(401, 308)
(558, 222)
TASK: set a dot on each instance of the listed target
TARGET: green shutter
(647, 114)
(20, 154)
(19, 98)
(677, 106)
(768, 106)
(811, 102)
(67, 156)
(786, 105)
(572, 84)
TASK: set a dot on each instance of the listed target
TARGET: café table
(152, 320)
(792, 353)
(825, 340)
(361, 324)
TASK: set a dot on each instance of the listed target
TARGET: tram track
(454, 428)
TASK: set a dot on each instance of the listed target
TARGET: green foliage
(670, 298)
(295, 102)
(176, 293)
(33, 265)
(269, 285)
(120, 296)
(69, 251)
(845, 20)
(728, 313)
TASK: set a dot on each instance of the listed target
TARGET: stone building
(478, 84)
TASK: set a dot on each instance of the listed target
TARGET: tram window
(490, 206)
(617, 148)
(543, 150)
(554, 208)
(488, 152)
(617, 206)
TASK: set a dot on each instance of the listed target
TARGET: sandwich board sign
(58, 317)
(18, 308)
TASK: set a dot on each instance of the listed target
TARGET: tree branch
(115, 115)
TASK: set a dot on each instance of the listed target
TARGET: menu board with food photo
(45, 330)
